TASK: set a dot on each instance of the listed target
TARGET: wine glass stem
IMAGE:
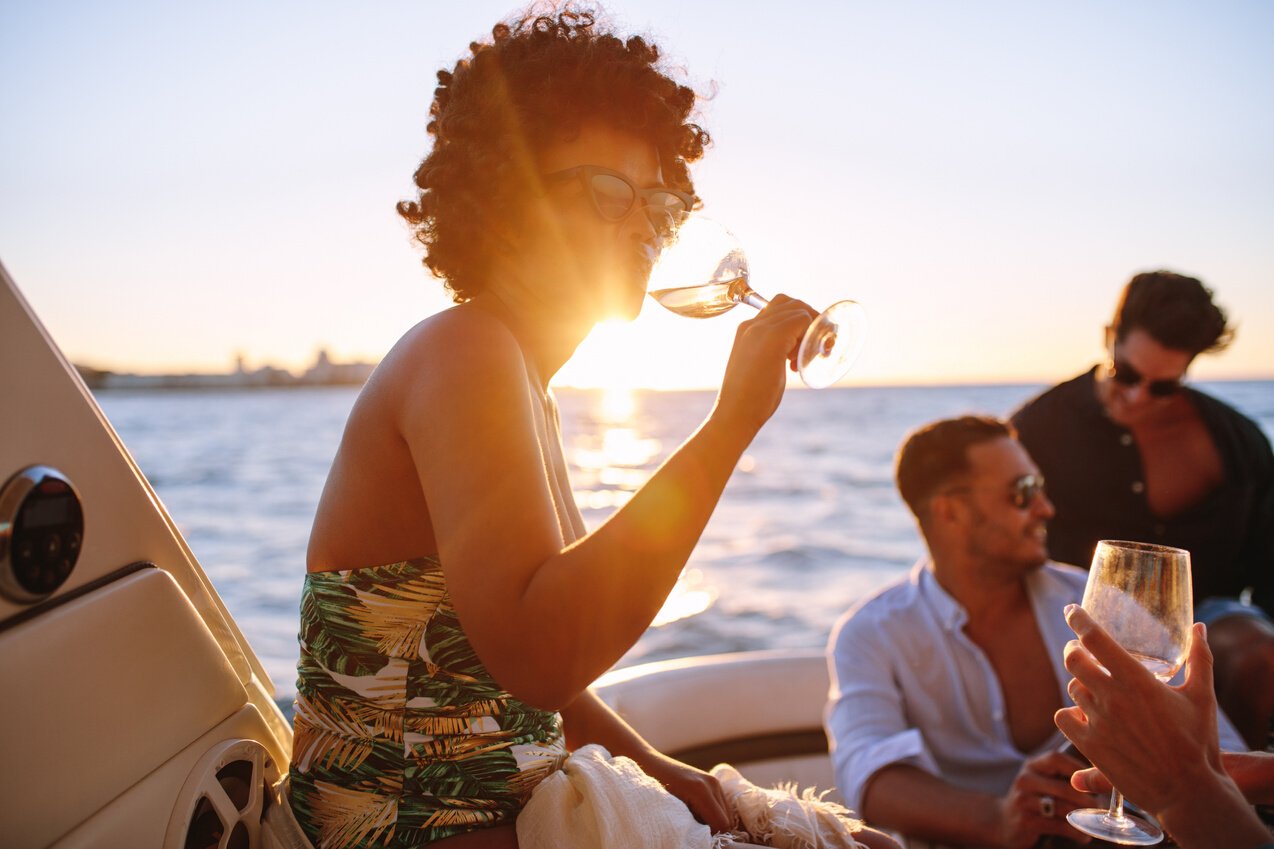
(1116, 811)
(752, 299)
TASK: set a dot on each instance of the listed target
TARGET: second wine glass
(1140, 593)
(702, 272)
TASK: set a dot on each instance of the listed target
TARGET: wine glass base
(832, 343)
(1127, 830)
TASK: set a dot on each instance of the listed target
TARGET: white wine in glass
(702, 272)
(1140, 593)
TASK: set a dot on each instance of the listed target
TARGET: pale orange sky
(180, 182)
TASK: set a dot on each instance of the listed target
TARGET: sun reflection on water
(690, 596)
(618, 405)
(610, 466)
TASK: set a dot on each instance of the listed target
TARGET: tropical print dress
(401, 736)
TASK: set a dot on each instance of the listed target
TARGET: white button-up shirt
(909, 686)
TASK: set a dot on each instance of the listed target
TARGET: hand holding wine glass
(702, 272)
(1159, 743)
(1140, 594)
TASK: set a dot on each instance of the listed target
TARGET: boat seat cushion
(94, 700)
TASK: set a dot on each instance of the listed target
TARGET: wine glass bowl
(702, 272)
(1140, 593)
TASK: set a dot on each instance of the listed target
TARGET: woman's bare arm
(547, 618)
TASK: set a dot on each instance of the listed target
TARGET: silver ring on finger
(1048, 807)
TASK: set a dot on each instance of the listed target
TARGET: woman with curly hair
(456, 608)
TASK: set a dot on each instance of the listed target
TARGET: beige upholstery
(742, 698)
(106, 687)
(98, 693)
(131, 819)
(720, 697)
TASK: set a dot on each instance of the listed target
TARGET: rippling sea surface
(809, 522)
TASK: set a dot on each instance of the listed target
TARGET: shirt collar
(951, 614)
(945, 609)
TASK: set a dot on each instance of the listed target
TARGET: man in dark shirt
(1130, 453)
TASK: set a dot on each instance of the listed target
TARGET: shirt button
(1138, 487)
(1125, 440)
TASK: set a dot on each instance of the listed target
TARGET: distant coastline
(324, 372)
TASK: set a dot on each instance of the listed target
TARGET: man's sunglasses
(1022, 491)
(1125, 374)
(614, 196)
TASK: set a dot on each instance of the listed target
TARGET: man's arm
(1253, 772)
(865, 721)
(910, 800)
(886, 772)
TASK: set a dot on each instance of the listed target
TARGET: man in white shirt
(944, 684)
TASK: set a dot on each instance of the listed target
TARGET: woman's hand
(755, 375)
(590, 720)
(700, 791)
(1156, 742)
(1151, 739)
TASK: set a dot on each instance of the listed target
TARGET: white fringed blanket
(599, 802)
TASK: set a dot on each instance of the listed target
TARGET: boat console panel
(41, 533)
(134, 712)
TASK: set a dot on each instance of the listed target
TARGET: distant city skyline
(179, 181)
(324, 371)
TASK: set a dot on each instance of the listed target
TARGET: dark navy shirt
(1095, 479)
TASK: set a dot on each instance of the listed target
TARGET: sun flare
(618, 404)
(658, 350)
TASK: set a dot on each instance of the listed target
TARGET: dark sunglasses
(1125, 374)
(1022, 491)
(614, 196)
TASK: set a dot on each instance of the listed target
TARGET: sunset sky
(183, 181)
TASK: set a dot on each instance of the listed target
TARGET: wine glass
(702, 272)
(1140, 593)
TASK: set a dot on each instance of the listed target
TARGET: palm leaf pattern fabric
(402, 738)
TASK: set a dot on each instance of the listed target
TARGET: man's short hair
(932, 456)
(1177, 311)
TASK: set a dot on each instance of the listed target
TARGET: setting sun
(656, 351)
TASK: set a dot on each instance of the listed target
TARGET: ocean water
(809, 523)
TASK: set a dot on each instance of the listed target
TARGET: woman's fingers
(1073, 722)
(1091, 780)
(1080, 663)
(793, 317)
(712, 807)
(1199, 664)
(1103, 648)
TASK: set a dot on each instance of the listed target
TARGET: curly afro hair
(538, 79)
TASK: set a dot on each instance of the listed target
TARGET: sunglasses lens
(666, 211)
(614, 197)
(1129, 376)
(1126, 374)
(1025, 489)
(667, 203)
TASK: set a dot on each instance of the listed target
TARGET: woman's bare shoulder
(462, 330)
(456, 345)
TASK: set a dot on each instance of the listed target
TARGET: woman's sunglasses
(1125, 374)
(1022, 491)
(614, 196)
